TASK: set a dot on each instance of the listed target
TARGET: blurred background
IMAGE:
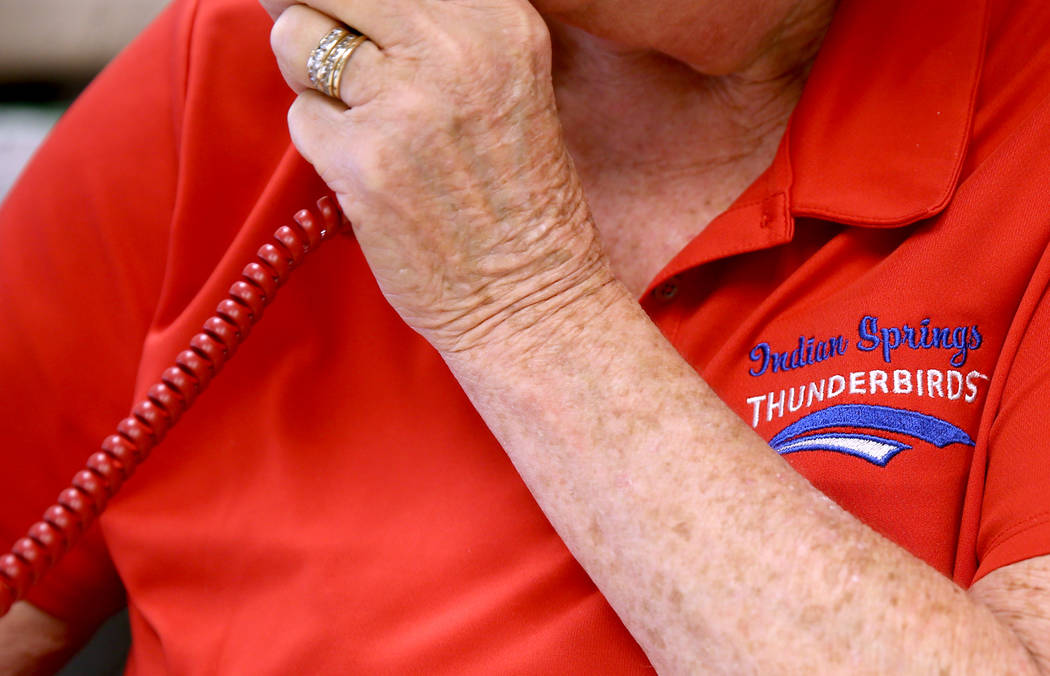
(49, 51)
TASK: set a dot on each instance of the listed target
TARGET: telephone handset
(106, 470)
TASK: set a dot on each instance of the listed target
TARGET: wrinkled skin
(447, 153)
(450, 163)
(450, 160)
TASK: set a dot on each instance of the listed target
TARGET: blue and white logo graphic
(864, 422)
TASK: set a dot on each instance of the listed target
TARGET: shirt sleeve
(1015, 511)
(83, 240)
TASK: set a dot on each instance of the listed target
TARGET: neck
(661, 148)
(639, 110)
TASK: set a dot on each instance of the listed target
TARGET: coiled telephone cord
(78, 506)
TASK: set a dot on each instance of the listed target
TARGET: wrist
(529, 283)
(555, 308)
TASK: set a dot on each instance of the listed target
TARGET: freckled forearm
(717, 556)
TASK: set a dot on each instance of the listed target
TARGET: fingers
(295, 37)
(385, 22)
(314, 120)
(339, 147)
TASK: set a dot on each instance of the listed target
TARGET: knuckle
(538, 37)
(296, 118)
(280, 36)
(530, 35)
(525, 26)
(286, 33)
(301, 118)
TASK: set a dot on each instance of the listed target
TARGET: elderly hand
(446, 154)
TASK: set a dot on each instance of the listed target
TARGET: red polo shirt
(873, 305)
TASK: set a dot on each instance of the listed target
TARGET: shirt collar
(878, 138)
(880, 134)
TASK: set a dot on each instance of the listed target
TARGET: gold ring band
(327, 61)
(320, 54)
(340, 57)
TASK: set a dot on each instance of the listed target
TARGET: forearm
(446, 153)
(715, 553)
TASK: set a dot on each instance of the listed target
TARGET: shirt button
(666, 291)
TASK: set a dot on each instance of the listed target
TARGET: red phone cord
(79, 505)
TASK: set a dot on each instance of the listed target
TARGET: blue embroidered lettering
(909, 337)
(868, 330)
(940, 337)
(974, 341)
(808, 351)
(759, 352)
(960, 339)
(891, 340)
(926, 342)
